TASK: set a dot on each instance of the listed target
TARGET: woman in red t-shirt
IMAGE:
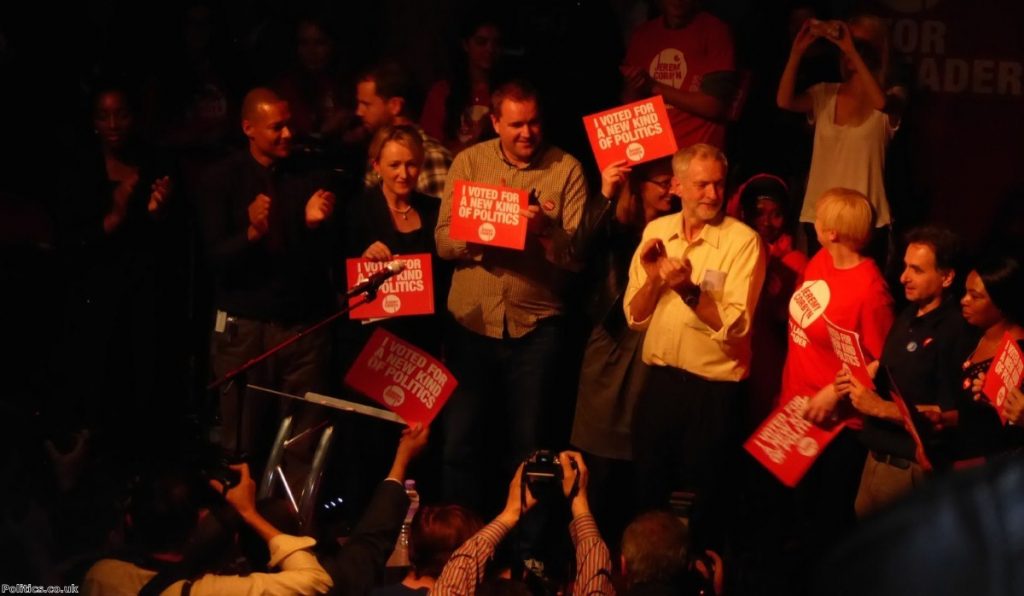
(844, 286)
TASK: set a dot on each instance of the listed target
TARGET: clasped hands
(663, 269)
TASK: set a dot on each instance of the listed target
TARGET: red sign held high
(636, 132)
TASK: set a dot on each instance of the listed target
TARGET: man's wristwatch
(692, 296)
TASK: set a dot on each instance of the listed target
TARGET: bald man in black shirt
(269, 237)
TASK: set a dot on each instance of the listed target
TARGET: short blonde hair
(848, 213)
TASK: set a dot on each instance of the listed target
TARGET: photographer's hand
(516, 505)
(574, 482)
(242, 498)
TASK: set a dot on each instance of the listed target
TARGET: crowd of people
(650, 323)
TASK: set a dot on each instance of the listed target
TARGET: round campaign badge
(912, 346)
(391, 304)
(394, 396)
(486, 232)
(635, 151)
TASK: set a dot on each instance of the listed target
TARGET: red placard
(403, 378)
(1004, 373)
(637, 132)
(911, 424)
(847, 348)
(488, 214)
(411, 292)
(787, 444)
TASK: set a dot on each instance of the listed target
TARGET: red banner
(847, 348)
(402, 377)
(637, 132)
(411, 292)
(1004, 374)
(488, 214)
(787, 444)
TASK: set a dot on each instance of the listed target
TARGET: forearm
(874, 91)
(259, 524)
(707, 311)
(641, 307)
(465, 569)
(593, 560)
(695, 102)
(785, 96)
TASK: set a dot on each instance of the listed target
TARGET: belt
(892, 460)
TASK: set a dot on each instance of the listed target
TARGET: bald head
(265, 120)
(257, 101)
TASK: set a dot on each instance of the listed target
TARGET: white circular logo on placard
(393, 396)
(910, 6)
(807, 447)
(391, 304)
(809, 302)
(669, 68)
(635, 151)
(486, 232)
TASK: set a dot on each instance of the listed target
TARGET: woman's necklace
(403, 212)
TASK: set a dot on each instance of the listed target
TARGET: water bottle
(400, 556)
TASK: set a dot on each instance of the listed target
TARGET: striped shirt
(465, 569)
(436, 161)
(497, 289)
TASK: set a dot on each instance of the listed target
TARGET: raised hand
(319, 207)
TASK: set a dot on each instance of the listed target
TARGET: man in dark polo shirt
(923, 354)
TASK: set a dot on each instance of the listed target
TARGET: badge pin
(912, 346)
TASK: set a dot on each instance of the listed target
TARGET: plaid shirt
(465, 569)
(436, 161)
(494, 289)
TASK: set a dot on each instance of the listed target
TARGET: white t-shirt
(847, 156)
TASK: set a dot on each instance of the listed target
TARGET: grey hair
(681, 160)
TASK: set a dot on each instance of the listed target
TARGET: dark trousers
(686, 435)
(498, 413)
(298, 368)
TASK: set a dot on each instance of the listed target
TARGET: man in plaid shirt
(384, 96)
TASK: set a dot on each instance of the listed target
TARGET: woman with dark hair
(993, 302)
(436, 532)
(124, 251)
(612, 374)
(455, 111)
(314, 87)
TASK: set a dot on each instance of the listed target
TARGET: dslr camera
(542, 473)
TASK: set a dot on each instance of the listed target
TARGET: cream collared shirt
(729, 264)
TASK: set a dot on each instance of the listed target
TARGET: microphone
(375, 281)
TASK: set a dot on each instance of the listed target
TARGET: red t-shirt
(680, 58)
(856, 299)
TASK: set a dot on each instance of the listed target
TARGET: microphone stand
(369, 294)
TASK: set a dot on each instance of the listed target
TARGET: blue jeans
(499, 413)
